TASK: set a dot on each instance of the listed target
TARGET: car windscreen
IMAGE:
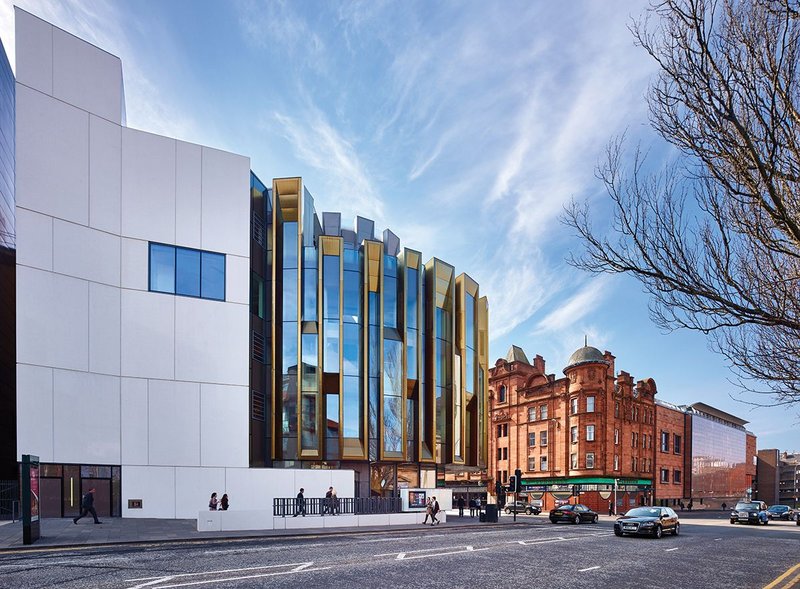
(565, 508)
(644, 512)
(779, 508)
(747, 506)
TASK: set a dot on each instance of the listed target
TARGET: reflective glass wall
(718, 459)
(356, 325)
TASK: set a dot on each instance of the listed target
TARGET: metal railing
(9, 500)
(289, 506)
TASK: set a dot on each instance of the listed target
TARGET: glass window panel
(374, 352)
(440, 413)
(331, 352)
(187, 275)
(412, 291)
(469, 384)
(290, 244)
(309, 294)
(332, 415)
(389, 301)
(289, 404)
(309, 355)
(392, 368)
(351, 356)
(350, 256)
(290, 295)
(309, 436)
(289, 357)
(257, 300)
(212, 285)
(162, 268)
(374, 396)
(351, 402)
(330, 286)
(374, 308)
(352, 297)
(411, 354)
(470, 320)
(392, 424)
(590, 404)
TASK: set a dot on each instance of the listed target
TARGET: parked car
(573, 513)
(522, 507)
(750, 512)
(780, 512)
(648, 521)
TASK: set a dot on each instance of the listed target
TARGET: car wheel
(677, 529)
(552, 521)
(617, 533)
(733, 521)
(577, 520)
(657, 532)
(528, 512)
(508, 511)
(595, 518)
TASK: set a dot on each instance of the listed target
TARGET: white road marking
(670, 549)
(300, 567)
(531, 542)
(431, 552)
(388, 539)
(589, 569)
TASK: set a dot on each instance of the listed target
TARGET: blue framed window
(187, 272)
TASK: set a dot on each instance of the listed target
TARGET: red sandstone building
(595, 435)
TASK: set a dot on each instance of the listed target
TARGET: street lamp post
(616, 481)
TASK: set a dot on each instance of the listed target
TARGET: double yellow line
(786, 580)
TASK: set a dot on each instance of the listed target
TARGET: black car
(648, 521)
(522, 507)
(750, 512)
(780, 512)
(573, 513)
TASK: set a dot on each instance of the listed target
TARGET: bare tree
(715, 236)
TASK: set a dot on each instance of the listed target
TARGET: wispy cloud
(575, 308)
(318, 144)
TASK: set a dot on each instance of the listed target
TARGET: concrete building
(778, 477)
(182, 327)
(596, 434)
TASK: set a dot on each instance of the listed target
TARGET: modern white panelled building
(113, 377)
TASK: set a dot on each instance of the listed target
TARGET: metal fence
(9, 500)
(289, 506)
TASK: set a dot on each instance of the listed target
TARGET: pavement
(61, 532)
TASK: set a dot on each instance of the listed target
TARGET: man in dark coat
(300, 507)
(87, 506)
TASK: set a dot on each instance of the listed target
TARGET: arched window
(501, 394)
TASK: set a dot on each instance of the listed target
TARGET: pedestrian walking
(223, 503)
(472, 507)
(334, 502)
(434, 511)
(213, 503)
(87, 506)
(461, 506)
(327, 504)
(610, 508)
(428, 512)
(724, 505)
(300, 504)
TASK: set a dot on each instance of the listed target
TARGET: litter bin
(491, 513)
(482, 517)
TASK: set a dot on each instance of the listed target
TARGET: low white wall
(169, 492)
(443, 496)
(229, 521)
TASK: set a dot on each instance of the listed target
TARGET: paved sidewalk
(62, 532)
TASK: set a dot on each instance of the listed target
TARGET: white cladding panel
(224, 425)
(237, 279)
(193, 488)
(187, 195)
(52, 166)
(104, 329)
(135, 262)
(85, 253)
(134, 421)
(155, 486)
(148, 186)
(34, 46)
(148, 334)
(52, 319)
(34, 239)
(216, 349)
(104, 175)
(174, 423)
(226, 202)
(35, 411)
(86, 426)
(86, 76)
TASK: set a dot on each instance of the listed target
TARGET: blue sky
(463, 126)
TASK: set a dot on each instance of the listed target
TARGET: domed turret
(586, 355)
